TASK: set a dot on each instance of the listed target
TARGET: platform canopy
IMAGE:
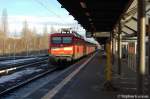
(96, 15)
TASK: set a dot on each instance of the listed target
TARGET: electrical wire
(63, 21)
(43, 5)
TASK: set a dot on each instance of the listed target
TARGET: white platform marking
(56, 89)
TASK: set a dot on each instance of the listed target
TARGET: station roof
(96, 15)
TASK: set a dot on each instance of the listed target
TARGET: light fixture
(91, 23)
(87, 14)
(90, 19)
(83, 5)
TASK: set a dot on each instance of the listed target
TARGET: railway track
(58, 75)
(19, 82)
(13, 69)
(22, 64)
(30, 78)
(20, 57)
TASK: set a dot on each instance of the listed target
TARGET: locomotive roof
(68, 34)
(72, 34)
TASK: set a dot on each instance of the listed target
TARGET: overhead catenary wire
(51, 11)
(43, 5)
(74, 25)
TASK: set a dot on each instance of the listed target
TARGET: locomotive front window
(56, 40)
(67, 39)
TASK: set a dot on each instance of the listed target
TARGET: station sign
(101, 34)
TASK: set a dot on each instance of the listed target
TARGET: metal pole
(27, 47)
(4, 47)
(39, 46)
(108, 62)
(112, 41)
(9, 50)
(149, 45)
(113, 47)
(141, 46)
(119, 48)
(14, 54)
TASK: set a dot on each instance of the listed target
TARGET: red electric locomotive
(68, 46)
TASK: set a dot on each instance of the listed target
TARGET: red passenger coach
(68, 47)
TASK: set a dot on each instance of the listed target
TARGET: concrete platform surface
(88, 83)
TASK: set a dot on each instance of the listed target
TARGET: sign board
(101, 34)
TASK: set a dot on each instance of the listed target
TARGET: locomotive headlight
(67, 48)
(55, 49)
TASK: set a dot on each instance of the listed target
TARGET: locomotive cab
(61, 48)
(68, 47)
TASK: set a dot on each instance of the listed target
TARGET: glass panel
(56, 40)
(67, 39)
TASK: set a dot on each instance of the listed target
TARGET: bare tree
(27, 36)
(52, 30)
(45, 38)
(4, 22)
(3, 31)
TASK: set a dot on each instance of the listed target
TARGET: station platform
(87, 84)
(89, 81)
(86, 80)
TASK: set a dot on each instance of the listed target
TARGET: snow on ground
(23, 56)
(15, 61)
(14, 76)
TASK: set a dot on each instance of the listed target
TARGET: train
(68, 46)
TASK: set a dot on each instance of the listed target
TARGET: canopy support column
(113, 47)
(119, 49)
(141, 47)
(149, 45)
